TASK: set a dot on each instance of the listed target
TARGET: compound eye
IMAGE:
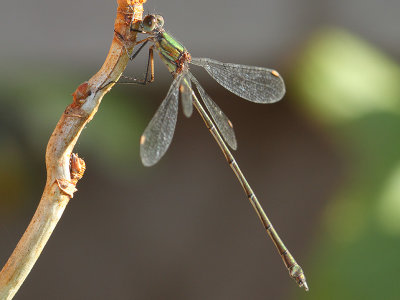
(149, 23)
(160, 20)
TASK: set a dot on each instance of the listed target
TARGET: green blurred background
(324, 162)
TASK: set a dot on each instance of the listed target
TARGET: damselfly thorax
(172, 53)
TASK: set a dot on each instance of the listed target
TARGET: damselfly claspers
(256, 84)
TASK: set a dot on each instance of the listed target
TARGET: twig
(63, 171)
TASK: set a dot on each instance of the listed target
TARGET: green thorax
(172, 53)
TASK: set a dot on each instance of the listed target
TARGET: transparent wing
(256, 84)
(158, 134)
(220, 119)
(186, 95)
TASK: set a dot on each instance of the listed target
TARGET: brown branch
(64, 170)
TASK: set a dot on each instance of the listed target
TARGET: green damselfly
(256, 84)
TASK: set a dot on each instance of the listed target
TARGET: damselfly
(259, 85)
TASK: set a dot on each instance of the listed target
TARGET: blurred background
(324, 162)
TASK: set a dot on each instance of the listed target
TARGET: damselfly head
(152, 22)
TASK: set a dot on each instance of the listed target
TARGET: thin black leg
(132, 57)
(149, 71)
